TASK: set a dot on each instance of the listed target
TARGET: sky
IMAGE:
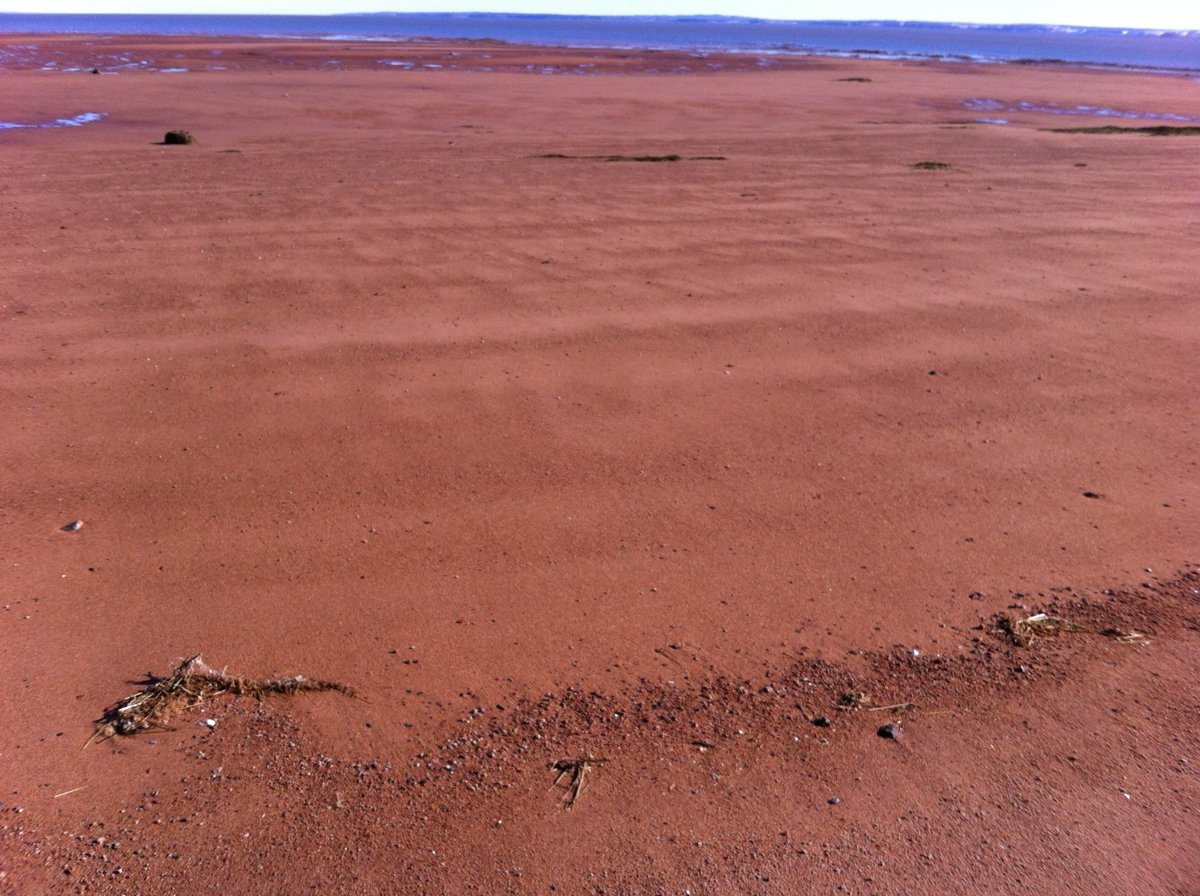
(1174, 14)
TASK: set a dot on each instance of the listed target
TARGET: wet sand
(394, 378)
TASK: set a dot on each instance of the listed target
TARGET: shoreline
(769, 57)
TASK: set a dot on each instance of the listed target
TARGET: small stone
(179, 138)
(823, 722)
(834, 800)
(210, 723)
(890, 731)
(73, 526)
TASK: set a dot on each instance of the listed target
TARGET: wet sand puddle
(992, 105)
(73, 122)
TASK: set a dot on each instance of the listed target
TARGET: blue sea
(998, 43)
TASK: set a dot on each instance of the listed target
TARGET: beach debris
(671, 157)
(834, 800)
(1023, 632)
(851, 700)
(890, 731)
(191, 683)
(179, 138)
(73, 526)
(932, 166)
(898, 707)
(1124, 635)
(1158, 130)
(575, 772)
(1093, 495)
(823, 722)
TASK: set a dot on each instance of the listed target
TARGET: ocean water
(1101, 46)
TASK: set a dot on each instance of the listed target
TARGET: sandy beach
(688, 418)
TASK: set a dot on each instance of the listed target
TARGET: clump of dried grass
(1023, 632)
(190, 683)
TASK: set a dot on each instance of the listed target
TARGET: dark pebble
(890, 731)
(834, 800)
(823, 722)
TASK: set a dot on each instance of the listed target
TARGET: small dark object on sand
(179, 138)
(73, 526)
(890, 731)
(1158, 130)
(823, 722)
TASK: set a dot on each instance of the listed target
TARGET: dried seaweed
(191, 683)
(575, 771)
(898, 707)
(1124, 635)
(1023, 632)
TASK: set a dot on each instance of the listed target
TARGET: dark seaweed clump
(1158, 130)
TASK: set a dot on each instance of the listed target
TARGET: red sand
(363, 386)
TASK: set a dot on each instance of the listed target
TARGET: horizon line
(648, 16)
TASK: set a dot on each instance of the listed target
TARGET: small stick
(69, 792)
(903, 707)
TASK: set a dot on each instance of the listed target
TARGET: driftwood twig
(190, 683)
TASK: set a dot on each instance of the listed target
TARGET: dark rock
(890, 731)
(823, 722)
(179, 138)
(73, 526)
(834, 800)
